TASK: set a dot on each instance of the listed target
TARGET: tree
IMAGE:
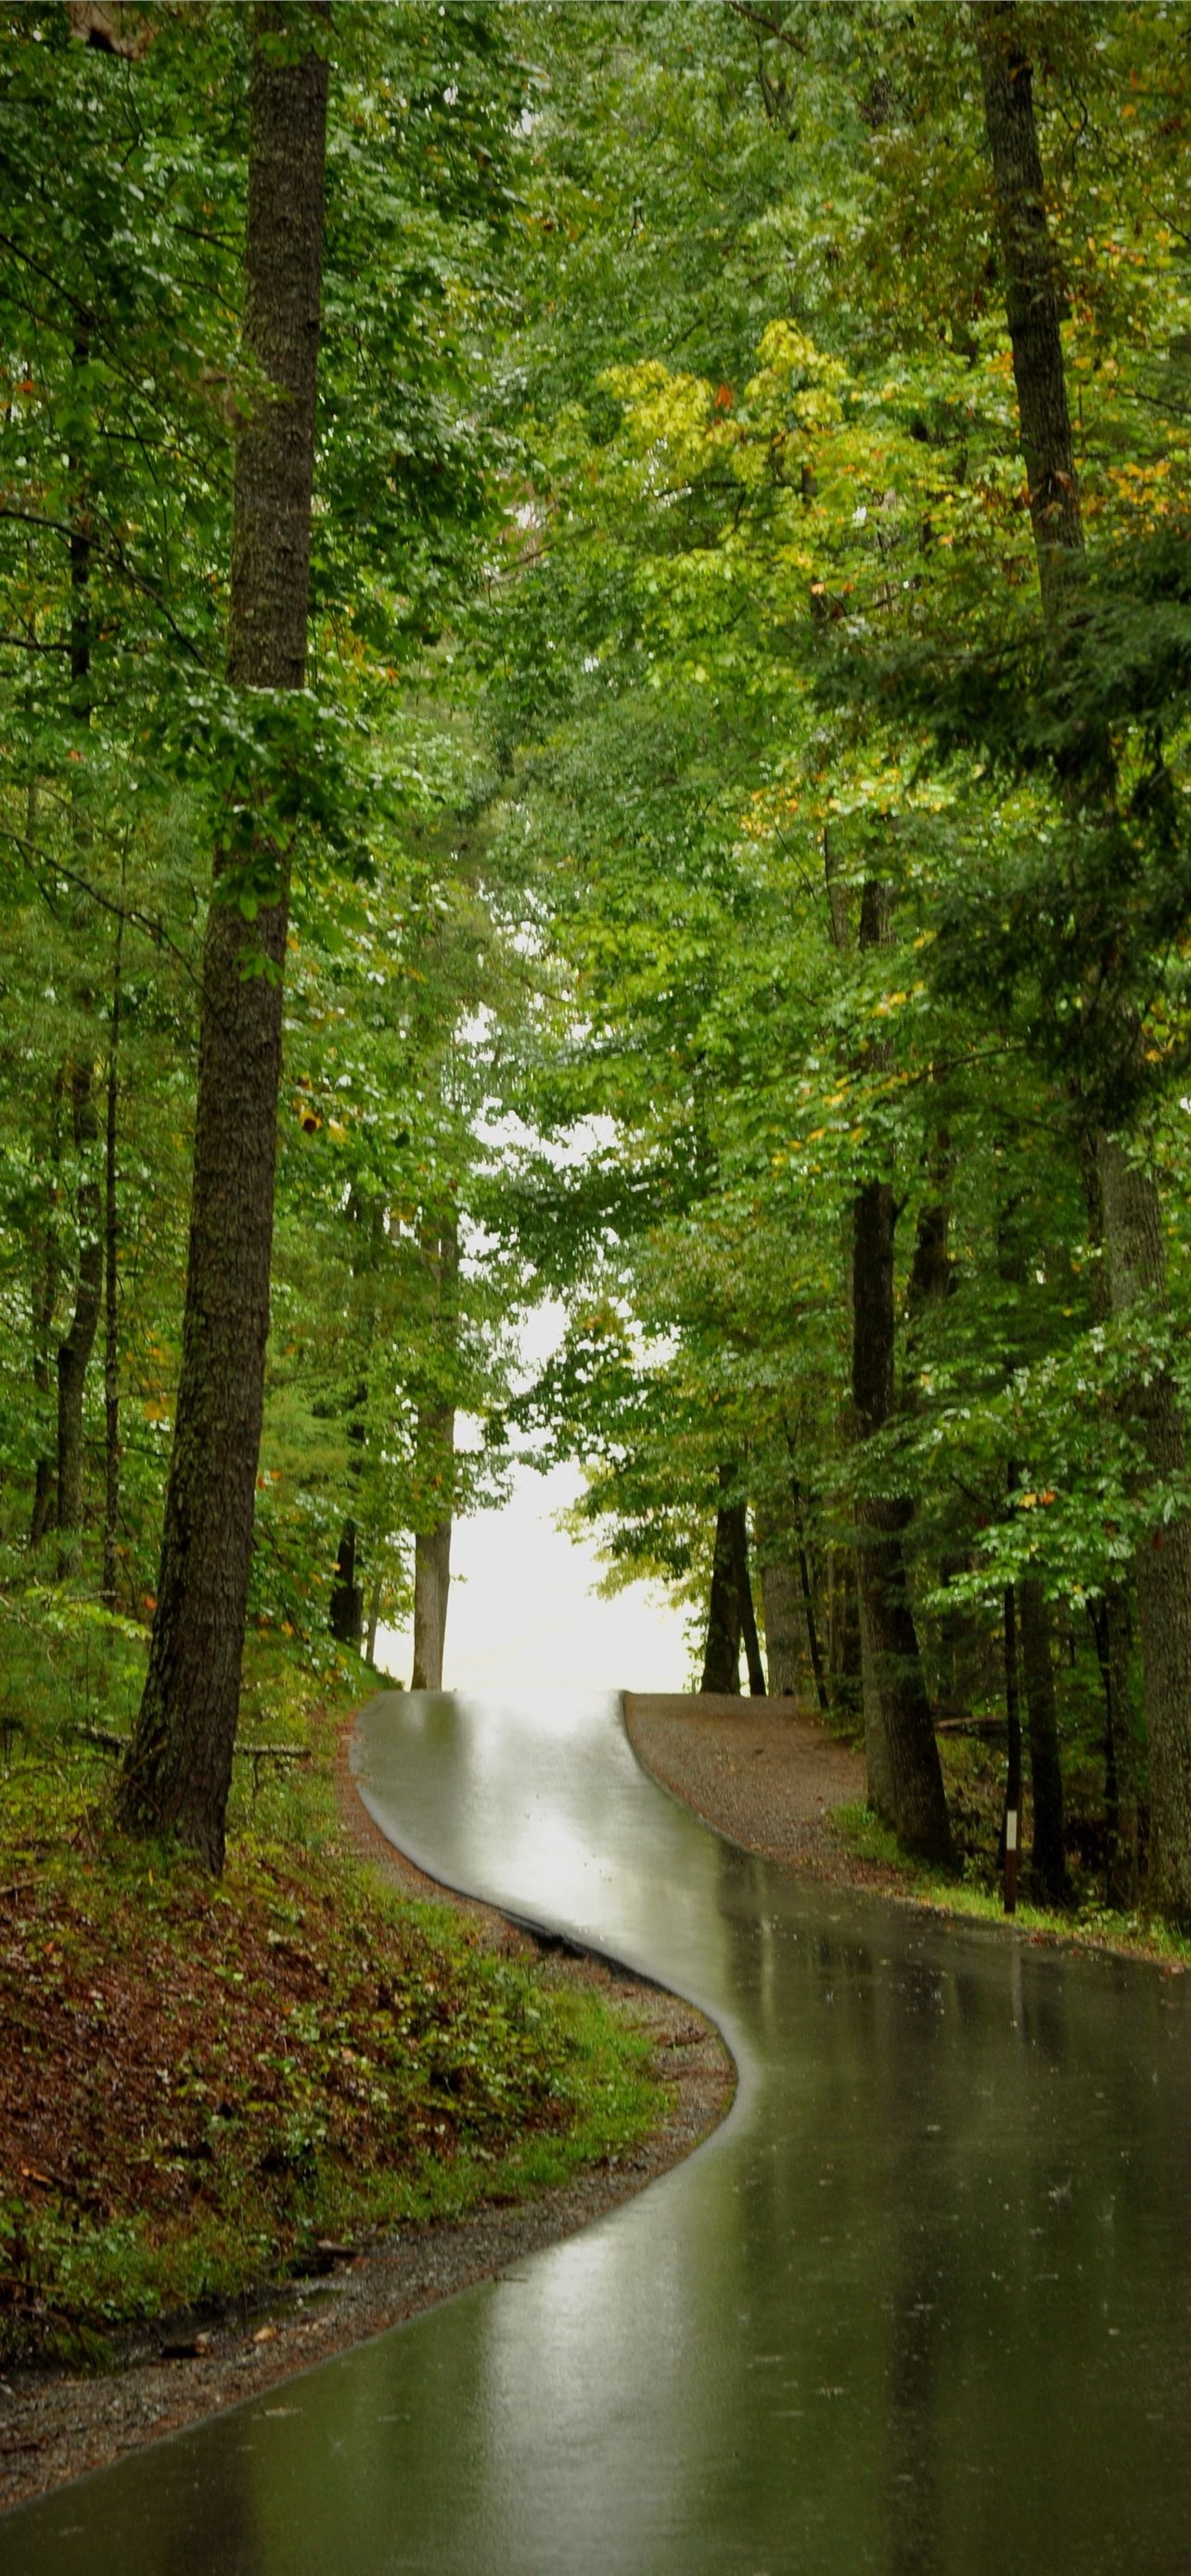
(114, 293)
(1128, 1189)
(715, 751)
(179, 1764)
(797, 609)
(434, 1464)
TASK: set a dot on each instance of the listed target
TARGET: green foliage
(674, 584)
(1094, 1924)
(129, 759)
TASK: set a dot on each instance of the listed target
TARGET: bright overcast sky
(523, 1610)
(524, 1613)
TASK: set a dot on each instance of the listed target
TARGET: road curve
(919, 2305)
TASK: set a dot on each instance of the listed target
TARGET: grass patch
(199, 2082)
(1089, 1922)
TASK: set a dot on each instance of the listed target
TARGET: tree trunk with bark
(780, 1600)
(721, 1657)
(1136, 1247)
(46, 1265)
(346, 1608)
(844, 1652)
(78, 1086)
(435, 1443)
(111, 1291)
(347, 1591)
(1048, 1862)
(74, 1351)
(366, 1228)
(905, 1776)
(373, 1619)
(744, 1595)
(432, 1578)
(1010, 1843)
(782, 1605)
(1033, 303)
(1133, 1231)
(813, 1642)
(178, 1770)
(1110, 1628)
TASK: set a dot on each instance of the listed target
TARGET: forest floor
(60, 2418)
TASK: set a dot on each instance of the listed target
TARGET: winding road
(921, 2305)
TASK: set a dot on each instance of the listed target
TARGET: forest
(595, 637)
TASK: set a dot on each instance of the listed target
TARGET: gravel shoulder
(762, 1773)
(57, 2424)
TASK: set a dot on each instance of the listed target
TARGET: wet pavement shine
(922, 2305)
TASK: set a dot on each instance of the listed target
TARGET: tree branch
(770, 27)
(152, 925)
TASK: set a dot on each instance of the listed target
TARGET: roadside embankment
(245, 2126)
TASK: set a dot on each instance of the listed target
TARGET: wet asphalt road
(920, 2306)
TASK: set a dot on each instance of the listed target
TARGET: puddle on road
(920, 2306)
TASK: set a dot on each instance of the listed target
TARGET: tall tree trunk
(781, 1602)
(1033, 308)
(905, 1777)
(41, 1517)
(930, 1269)
(844, 1658)
(432, 1575)
(111, 1291)
(346, 1611)
(845, 1643)
(45, 1295)
(814, 1648)
(74, 1352)
(721, 1658)
(1047, 1862)
(1047, 1858)
(744, 1596)
(347, 1591)
(373, 1621)
(1110, 1628)
(436, 1456)
(1011, 1821)
(179, 1765)
(1133, 1231)
(1136, 1246)
(779, 1595)
(1111, 1621)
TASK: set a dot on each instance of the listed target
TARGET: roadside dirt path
(761, 1772)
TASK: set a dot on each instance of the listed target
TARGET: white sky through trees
(524, 1611)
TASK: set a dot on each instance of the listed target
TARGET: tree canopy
(735, 799)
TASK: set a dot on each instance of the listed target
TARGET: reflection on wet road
(920, 2306)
